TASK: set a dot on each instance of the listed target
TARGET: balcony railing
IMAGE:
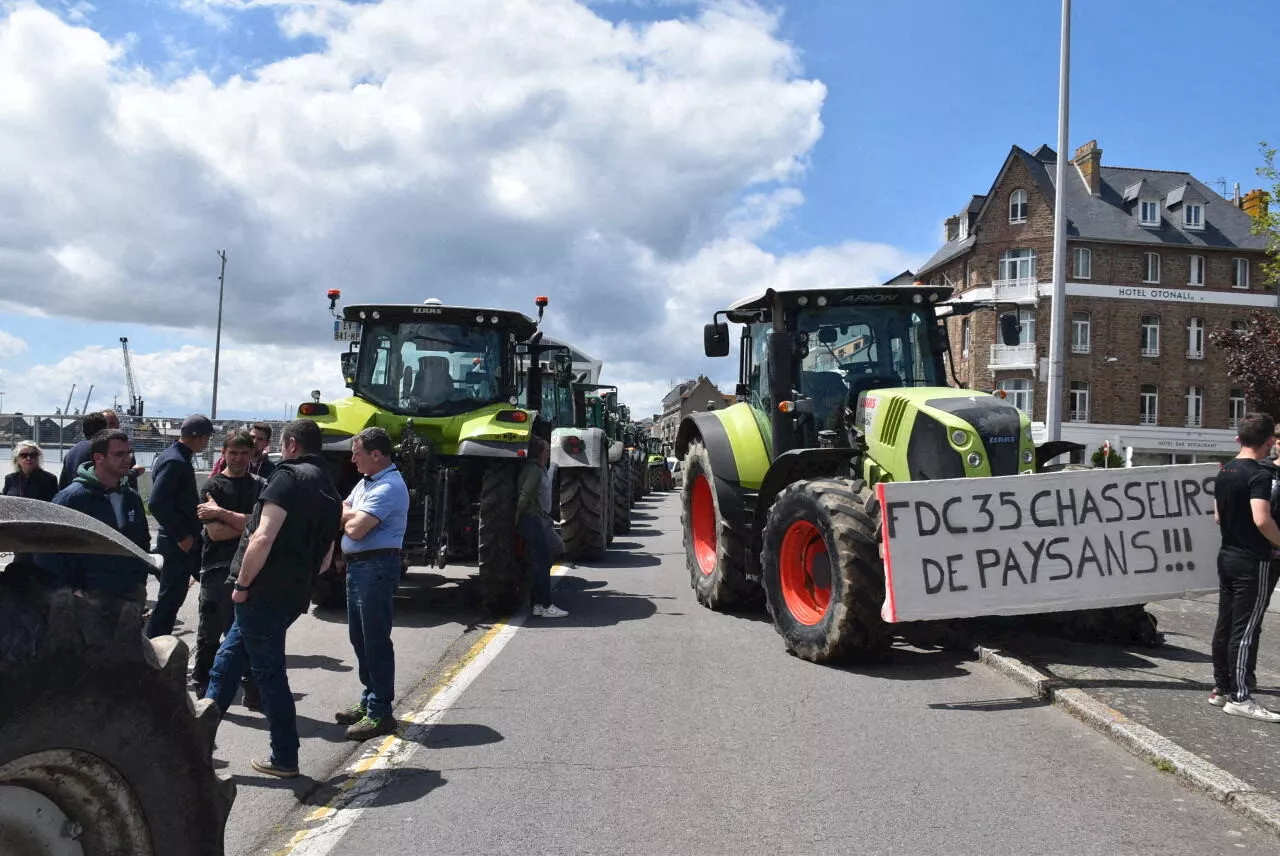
(1194, 354)
(1013, 356)
(1021, 290)
(1151, 352)
(1147, 419)
(1194, 421)
(1079, 416)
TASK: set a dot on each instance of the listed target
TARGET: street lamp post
(217, 341)
(1057, 309)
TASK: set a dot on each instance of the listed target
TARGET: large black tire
(638, 487)
(714, 550)
(622, 496)
(97, 720)
(822, 572)
(501, 575)
(584, 512)
(610, 518)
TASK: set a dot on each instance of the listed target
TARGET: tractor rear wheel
(584, 510)
(638, 488)
(622, 497)
(501, 575)
(713, 549)
(822, 573)
(99, 733)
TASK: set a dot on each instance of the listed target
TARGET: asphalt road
(646, 724)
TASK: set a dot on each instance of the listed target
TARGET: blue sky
(923, 100)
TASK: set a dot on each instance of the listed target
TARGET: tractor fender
(732, 499)
(800, 465)
(593, 448)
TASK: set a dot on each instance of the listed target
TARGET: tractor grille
(893, 416)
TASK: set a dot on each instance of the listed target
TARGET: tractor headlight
(975, 460)
(960, 438)
(1028, 456)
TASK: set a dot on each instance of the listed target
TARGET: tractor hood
(490, 431)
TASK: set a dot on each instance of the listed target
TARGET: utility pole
(1057, 310)
(217, 342)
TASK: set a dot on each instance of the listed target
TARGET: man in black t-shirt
(289, 539)
(1242, 507)
(229, 498)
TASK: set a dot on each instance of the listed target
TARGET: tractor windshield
(430, 369)
(845, 351)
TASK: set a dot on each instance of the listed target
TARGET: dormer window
(1148, 212)
(964, 226)
(1018, 206)
(1193, 216)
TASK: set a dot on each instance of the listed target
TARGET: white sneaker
(1251, 710)
(1218, 699)
(552, 611)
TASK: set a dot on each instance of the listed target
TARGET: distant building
(692, 396)
(1156, 261)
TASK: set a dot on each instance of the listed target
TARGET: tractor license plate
(346, 331)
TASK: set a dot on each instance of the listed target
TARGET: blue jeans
(537, 554)
(256, 641)
(371, 591)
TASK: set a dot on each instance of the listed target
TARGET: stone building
(691, 396)
(1156, 260)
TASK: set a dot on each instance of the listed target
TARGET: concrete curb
(1141, 741)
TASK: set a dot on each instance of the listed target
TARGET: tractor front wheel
(822, 573)
(713, 549)
(501, 575)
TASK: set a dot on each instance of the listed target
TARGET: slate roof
(1110, 216)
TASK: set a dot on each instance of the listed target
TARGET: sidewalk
(1166, 688)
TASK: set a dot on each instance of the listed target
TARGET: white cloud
(502, 148)
(11, 345)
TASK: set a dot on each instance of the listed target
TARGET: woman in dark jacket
(28, 479)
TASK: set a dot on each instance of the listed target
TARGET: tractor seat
(434, 382)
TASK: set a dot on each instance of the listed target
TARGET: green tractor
(839, 389)
(444, 382)
(633, 441)
(657, 473)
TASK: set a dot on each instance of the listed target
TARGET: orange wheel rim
(702, 514)
(804, 569)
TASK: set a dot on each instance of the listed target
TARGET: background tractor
(657, 473)
(839, 389)
(443, 382)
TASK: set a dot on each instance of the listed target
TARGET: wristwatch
(239, 587)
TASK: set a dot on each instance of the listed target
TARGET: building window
(1239, 273)
(1018, 393)
(1018, 206)
(1193, 216)
(1150, 336)
(1195, 271)
(1026, 326)
(1239, 326)
(1195, 406)
(1235, 408)
(1148, 213)
(1080, 323)
(1082, 262)
(1148, 404)
(964, 227)
(1152, 268)
(966, 338)
(1195, 339)
(1079, 397)
(1018, 265)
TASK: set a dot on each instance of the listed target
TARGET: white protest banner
(1047, 542)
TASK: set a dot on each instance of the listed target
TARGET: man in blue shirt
(374, 518)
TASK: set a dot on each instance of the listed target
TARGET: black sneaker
(271, 768)
(370, 727)
(351, 715)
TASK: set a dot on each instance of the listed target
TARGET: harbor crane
(135, 399)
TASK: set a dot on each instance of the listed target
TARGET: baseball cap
(197, 425)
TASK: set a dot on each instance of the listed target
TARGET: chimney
(1088, 160)
(1255, 202)
(951, 228)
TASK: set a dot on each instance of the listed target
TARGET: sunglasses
(28, 455)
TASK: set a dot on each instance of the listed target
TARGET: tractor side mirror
(349, 361)
(715, 340)
(1010, 329)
